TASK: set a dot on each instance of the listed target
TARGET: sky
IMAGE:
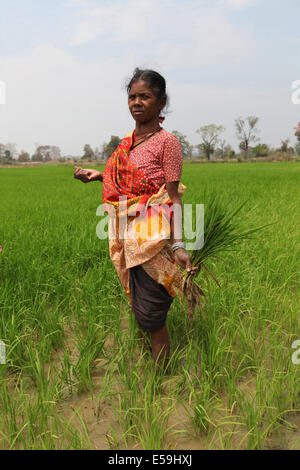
(64, 65)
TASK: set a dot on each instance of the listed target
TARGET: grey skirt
(150, 301)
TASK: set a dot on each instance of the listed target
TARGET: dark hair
(156, 82)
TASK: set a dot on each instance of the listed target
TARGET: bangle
(177, 245)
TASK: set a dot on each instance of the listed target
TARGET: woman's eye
(142, 97)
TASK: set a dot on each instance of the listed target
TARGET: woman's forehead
(140, 87)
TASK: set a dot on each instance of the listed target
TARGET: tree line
(46, 153)
(212, 144)
(43, 153)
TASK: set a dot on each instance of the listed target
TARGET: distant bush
(231, 154)
(279, 156)
(261, 150)
(5, 161)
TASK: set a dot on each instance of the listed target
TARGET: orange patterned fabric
(139, 228)
(122, 178)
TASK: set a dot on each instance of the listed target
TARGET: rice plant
(76, 376)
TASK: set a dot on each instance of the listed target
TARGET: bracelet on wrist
(177, 245)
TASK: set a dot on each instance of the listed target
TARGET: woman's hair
(155, 81)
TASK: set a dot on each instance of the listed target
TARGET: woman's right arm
(87, 175)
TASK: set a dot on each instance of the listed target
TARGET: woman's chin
(140, 120)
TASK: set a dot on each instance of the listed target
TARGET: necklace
(145, 138)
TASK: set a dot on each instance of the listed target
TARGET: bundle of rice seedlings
(223, 232)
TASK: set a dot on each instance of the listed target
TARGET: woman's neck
(146, 128)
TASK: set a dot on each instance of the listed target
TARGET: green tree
(45, 153)
(246, 131)
(37, 156)
(228, 151)
(200, 150)
(7, 153)
(297, 134)
(261, 150)
(111, 146)
(285, 145)
(210, 136)
(187, 148)
(24, 156)
(2, 150)
(97, 154)
(12, 148)
(88, 153)
(222, 144)
(7, 158)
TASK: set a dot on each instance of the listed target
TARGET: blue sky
(64, 63)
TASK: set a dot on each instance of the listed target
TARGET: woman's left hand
(182, 258)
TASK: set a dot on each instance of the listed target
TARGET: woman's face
(143, 104)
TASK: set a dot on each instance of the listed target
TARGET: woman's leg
(160, 346)
(150, 303)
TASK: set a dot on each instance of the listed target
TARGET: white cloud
(185, 35)
(239, 3)
(55, 99)
(130, 22)
(138, 19)
(213, 41)
(218, 40)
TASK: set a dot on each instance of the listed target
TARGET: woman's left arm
(182, 257)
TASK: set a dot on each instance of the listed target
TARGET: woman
(145, 171)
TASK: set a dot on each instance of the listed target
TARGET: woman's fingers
(77, 171)
(188, 265)
(81, 174)
(194, 271)
(191, 269)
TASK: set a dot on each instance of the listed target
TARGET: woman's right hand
(87, 175)
(182, 257)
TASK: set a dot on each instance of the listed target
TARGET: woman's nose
(137, 100)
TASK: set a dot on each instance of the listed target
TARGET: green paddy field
(74, 375)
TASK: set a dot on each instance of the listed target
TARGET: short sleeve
(172, 159)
